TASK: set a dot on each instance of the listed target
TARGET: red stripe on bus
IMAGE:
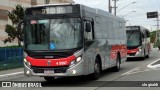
(132, 51)
(51, 62)
(118, 48)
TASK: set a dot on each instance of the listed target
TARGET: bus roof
(90, 9)
(54, 4)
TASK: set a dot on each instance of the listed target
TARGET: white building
(8, 5)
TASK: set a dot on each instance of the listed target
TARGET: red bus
(71, 40)
(138, 42)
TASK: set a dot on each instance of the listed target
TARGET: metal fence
(11, 58)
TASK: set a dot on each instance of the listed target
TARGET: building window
(33, 2)
(3, 14)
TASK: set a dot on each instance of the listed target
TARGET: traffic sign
(152, 14)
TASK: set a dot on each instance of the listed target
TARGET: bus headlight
(140, 50)
(74, 62)
(27, 63)
(78, 59)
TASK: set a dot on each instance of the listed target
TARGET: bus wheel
(50, 79)
(97, 70)
(144, 55)
(118, 65)
(147, 55)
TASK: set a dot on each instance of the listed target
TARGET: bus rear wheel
(118, 64)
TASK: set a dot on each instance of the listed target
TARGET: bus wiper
(130, 35)
(66, 18)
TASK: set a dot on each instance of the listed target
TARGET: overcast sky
(141, 7)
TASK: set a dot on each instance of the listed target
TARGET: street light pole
(128, 13)
(125, 6)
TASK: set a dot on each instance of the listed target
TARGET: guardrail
(11, 57)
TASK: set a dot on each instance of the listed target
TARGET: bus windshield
(133, 38)
(53, 34)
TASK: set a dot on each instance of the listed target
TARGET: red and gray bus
(138, 42)
(62, 40)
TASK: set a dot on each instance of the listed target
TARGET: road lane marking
(155, 67)
(136, 70)
(12, 74)
(129, 71)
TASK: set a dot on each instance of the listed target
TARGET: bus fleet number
(61, 63)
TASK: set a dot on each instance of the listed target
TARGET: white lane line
(129, 71)
(137, 72)
(12, 74)
(157, 66)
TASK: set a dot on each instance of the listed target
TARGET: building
(8, 5)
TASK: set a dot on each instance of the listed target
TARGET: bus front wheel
(97, 70)
(50, 79)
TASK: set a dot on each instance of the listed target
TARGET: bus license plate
(48, 71)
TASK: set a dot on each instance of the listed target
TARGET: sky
(134, 14)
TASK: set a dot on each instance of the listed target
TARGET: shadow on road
(136, 59)
(79, 81)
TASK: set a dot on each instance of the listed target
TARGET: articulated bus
(138, 42)
(62, 40)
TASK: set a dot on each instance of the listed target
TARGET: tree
(16, 15)
(153, 36)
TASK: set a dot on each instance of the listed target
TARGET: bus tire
(147, 56)
(144, 55)
(97, 70)
(49, 79)
(118, 64)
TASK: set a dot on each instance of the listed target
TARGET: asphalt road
(128, 78)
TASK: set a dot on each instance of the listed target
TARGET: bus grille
(62, 69)
(132, 54)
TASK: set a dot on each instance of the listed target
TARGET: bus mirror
(88, 27)
(20, 30)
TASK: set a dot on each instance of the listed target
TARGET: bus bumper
(137, 54)
(76, 70)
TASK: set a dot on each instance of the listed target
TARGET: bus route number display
(54, 10)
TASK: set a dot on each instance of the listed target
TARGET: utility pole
(155, 15)
(109, 6)
(157, 32)
(115, 7)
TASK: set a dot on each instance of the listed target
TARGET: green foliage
(16, 15)
(153, 36)
(158, 43)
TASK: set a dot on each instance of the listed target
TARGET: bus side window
(88, 31)
(143, 36)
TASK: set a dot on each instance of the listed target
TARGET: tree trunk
(19, 43)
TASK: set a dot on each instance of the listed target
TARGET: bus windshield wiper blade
(66, 18)
(130, 35)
